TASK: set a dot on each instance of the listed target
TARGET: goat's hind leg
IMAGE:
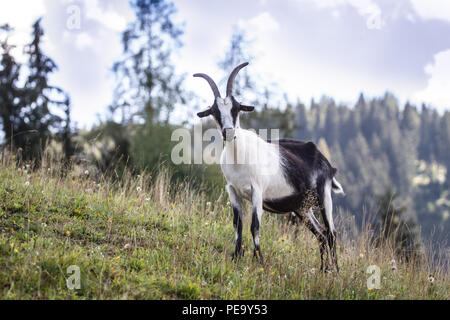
(314, 226)
(326, 208)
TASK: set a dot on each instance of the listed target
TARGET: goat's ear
(204, 114)
(247, 108)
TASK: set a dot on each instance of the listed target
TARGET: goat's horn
(233, 76)
(211, 82)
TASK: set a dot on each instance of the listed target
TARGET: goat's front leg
(236, 203)
(257, 210)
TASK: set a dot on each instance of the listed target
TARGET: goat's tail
(336, 187)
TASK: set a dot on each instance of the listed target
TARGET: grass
(146, 239)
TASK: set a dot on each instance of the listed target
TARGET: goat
(300, 170)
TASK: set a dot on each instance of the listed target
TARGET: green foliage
(151, 145)
(108, 146)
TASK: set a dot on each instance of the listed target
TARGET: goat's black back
(301, 161)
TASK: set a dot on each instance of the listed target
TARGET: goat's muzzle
(228, 134)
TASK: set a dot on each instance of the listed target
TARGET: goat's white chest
(250, 161)
(239, 177)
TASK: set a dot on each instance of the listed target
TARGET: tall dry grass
(141, 237)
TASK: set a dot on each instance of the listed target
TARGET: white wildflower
(27, 183)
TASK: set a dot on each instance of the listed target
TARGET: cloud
(108, 18)
(21, 19)
(437, 91)
(432, 9)
(17, 16)
(83, 40)
(260, 24)
(368, 9)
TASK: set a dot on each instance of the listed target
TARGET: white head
(225, 111)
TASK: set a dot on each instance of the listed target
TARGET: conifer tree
(28, 121)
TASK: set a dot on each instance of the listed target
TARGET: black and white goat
(297, 170)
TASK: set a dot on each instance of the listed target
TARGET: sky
(337, 48)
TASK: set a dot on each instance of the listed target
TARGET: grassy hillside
(132, 241)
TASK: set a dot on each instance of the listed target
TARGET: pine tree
(27, 119)
(394, 227)
(301, 119)
(444, 144)
(146, 76)
(10, 92)
(236, 54)
(39, 96)
(331, 130)
(148, 88)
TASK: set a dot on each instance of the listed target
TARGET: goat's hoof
(237, 255)
(258, 256)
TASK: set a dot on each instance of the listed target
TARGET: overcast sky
(310, 48)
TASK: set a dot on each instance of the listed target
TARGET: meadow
(141, 237)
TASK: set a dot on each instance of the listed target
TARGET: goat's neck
(242, 146)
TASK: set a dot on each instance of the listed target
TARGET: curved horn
(233, 76)
(211, 82)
